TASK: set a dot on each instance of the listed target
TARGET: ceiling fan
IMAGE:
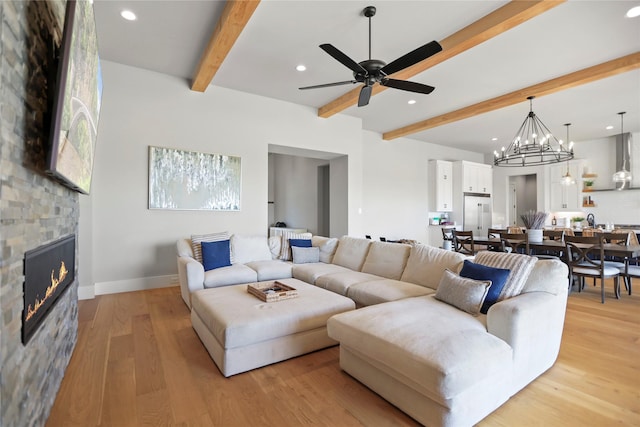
(372, 71)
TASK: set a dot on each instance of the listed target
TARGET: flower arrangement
(534, 220)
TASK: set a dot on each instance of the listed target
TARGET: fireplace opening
(48, 272)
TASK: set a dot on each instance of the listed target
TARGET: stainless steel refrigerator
(477, 213)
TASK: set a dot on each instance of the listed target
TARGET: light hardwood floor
(138, 362)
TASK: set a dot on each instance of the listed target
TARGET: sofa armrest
(532, 325)
(191, 277)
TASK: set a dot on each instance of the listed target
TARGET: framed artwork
(189, 180)
(77, 100)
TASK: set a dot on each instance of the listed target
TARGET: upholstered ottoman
(241, 332)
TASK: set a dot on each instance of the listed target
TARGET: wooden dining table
(610, 249)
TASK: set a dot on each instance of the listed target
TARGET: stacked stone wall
(34, 210)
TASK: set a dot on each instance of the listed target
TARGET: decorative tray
(272, 291)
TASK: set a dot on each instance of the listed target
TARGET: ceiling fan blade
(365, 95)
(343, 59)
(411, 58)
(407, 85)
(329, 85)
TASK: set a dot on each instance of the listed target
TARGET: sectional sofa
(418, 337)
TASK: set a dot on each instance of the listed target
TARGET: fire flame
(62, 274)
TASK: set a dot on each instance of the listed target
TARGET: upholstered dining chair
(514, 230)
(583, 256)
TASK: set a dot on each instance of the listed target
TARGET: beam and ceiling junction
(234, 18)
(497, 22)
(577, 78)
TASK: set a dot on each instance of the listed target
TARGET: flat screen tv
(77, 99)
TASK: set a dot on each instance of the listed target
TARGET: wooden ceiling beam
(497, 22)
(234, 18)
(577, 78)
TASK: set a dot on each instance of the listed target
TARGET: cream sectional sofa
(439, 364)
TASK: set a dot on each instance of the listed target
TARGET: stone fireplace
(34, 211)
(48, 272)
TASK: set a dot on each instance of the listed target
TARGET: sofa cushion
(340, 282)
(285, 251)
(437, 349)
(497, 277)
(302, 255)
(427, 263)
(215, 254)
(386, 259)
(197, 239)
(547, 275)
(327, 246)
(232, 275)
(351, 252)
(245, 249)
(310, 272)
(520, 266)
(385, 290)
(272, 269)
(275, 246)
(463, 293)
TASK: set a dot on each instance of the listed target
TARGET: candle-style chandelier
(533, 145)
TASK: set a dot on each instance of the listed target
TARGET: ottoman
(241, 332)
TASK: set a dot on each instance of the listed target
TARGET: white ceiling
(170, 36)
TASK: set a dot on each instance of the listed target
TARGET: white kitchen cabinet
(565, 197)
(441, 172)
(476, 177)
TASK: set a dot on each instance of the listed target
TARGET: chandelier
(567, 179)
(623, 176)
(533, 145)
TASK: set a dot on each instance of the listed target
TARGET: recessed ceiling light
(411, 101)
(494, 139)
(609, 127)
(128, 15)
(633, 12)
(301, 67)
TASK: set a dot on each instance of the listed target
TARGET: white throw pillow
(520, 266)
(462, 293)
(197, 239)
(305, 255)
(245, 249)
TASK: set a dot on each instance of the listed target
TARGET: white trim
(86, 292)
(128, 285)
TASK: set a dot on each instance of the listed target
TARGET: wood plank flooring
(138, 362)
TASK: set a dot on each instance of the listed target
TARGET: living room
(124, 246)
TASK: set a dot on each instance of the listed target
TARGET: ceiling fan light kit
(372, 71)
(533, 145)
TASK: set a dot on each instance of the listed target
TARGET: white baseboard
(128, 285)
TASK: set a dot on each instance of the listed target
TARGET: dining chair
(583, 256)
(463, 242)
(554, 235)
(514, 230)
(517, 243)
(494, 233)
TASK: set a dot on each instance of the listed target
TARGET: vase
(535, 235)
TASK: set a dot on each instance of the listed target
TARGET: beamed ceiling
(581, 59)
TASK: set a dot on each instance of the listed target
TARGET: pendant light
(533, 145)
(567, 179)
(623, 176)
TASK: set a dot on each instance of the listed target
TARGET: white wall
(131, 245)
(397, 187)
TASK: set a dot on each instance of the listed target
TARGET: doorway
(523, 197)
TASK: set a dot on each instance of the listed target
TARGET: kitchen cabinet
(441, 177)
(565, 197)
(476, 177)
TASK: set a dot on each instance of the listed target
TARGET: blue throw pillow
(498, 277)
(301, 243)
(216, 254)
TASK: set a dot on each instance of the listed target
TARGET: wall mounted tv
(77, 99)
